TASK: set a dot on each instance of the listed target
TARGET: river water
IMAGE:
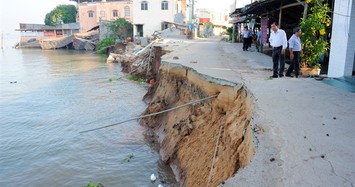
(47, 98)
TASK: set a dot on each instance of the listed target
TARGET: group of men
(278, 41)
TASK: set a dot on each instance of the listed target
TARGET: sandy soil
(207, 142)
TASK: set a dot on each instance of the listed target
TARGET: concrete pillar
(341, 59)
(134, 32)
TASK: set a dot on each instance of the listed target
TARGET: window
(144, 5)
(91, 14)
(115, 13)
(102, 14)
(127, 11)
(164, 5)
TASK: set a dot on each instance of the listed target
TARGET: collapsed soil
(205, 143)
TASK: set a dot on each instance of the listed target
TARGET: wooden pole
(305, 10)
(233, 34)
(280, 16)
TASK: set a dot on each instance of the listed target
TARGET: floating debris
(258, 130)
(153, 177)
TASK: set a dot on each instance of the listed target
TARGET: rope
(153, 114)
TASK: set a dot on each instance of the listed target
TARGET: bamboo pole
(153, 114)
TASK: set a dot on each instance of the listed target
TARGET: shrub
(314, 42)
(105, 43)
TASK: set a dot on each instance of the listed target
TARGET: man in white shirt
(278, 41)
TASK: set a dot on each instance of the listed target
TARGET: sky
(14, 12)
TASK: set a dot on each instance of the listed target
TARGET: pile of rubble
(141, 62)
(86, 41)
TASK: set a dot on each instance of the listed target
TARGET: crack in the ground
(330, 163)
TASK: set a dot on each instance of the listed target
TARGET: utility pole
(193, 10)
(233, 34)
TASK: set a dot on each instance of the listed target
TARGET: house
(31, 34)
(342, 48)
(91, 12)
(218, 17)
(153, 15)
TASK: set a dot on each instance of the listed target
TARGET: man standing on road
(295, 52)
(278, 41)
(258, 40)
(246, 36)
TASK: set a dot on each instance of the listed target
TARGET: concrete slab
(309, 125)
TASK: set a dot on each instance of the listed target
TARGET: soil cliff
(207, 142)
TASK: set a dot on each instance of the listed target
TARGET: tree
(121, 27)
(314, 42)
(61, 14)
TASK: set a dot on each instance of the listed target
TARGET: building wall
(341, 60)
(217, 16)
(101, 11)
(152, 18)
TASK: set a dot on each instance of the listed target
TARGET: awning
(292, 10)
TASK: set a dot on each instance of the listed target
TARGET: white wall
(341, 60)
(151, 19)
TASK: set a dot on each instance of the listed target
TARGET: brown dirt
(205, 143)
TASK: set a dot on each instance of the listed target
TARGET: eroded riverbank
(204, 143)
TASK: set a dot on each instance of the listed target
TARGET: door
(140, 30)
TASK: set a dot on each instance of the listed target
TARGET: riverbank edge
(205, 143)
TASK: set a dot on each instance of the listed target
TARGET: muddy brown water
(47, 98)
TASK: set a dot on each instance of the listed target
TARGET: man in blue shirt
(246, 35)
(295, 52)
(258, 40)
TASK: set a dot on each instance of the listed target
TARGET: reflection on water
(46, 98)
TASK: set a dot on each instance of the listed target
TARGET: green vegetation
(230, 33)
(114, 79)
(129, 157)
(136, 78)
(121, 27)
(61, 14)
(314, 40)
(94, 185)
(105, 43)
